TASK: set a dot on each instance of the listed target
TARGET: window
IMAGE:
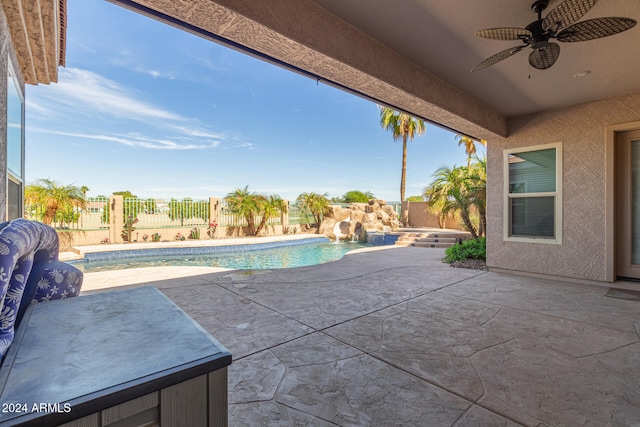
(533, 194)
(15, 146)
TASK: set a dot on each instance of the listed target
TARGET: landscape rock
(358, 219)
(327, 227)
(338, 213)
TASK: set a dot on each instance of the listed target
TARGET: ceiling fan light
(581, 74)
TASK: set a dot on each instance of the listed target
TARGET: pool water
(258, 259)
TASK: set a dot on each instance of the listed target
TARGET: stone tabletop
(84, 354)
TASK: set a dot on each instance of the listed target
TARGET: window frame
(11, 175)
(557, 195)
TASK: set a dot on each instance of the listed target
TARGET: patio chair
(30, 272)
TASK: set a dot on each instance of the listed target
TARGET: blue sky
(144, 107)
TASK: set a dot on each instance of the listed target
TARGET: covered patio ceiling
(416, 55)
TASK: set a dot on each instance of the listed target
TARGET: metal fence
(229, 219)
(167, 213)
(75, 218)
(162, 213)
(298, 215)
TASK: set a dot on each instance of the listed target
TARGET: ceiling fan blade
(544, 58)
(566, 13)
(506, 33)
(595, 29)
(498, 57)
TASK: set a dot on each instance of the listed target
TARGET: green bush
(469, 249)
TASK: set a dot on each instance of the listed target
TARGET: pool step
(431, 239)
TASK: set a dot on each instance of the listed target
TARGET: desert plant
(128, 228)
(468, 249)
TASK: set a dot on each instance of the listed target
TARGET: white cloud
(31, 105)
(154, 73)
(136, 140)
(88, 92)
(110, 105)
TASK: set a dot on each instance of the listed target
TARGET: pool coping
(190, 247)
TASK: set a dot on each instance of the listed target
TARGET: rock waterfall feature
(353, 222)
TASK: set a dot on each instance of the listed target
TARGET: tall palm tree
(84, 189)
(403, 127)
(316, 203)
(469, 146)
(54, 198)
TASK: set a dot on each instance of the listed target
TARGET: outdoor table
(130, 357)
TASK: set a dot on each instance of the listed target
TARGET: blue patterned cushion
(26, 247)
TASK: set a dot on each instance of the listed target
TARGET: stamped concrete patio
(395, 337)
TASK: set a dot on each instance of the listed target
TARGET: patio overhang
(307, 38)
(38, 30)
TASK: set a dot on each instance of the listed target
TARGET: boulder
(358, 219)
(338, 213)
(389, 211)
(327, 226)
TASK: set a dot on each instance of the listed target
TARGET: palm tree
(469, 146)
(315, 203)
(54, 198)
(403, 127)
(246, 204)
(269, 207)
(477, 185)
(450, 189)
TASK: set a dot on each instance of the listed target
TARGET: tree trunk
(251, 223)
(50, 213)
(483, 222)
(404, 167)
(262, 224)
(467, 223)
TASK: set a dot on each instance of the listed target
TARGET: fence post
(214, 211)
(284, 216)
(116, 218)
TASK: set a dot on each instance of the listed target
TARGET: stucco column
(116, 218)
(284, 216)
(214, 212)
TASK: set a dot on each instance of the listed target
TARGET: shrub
(469, 249)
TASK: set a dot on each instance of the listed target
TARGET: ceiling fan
(560, 24)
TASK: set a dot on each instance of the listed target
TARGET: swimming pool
(241, 257)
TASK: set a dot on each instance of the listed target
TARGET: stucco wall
(419, 216)
(581, 129)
